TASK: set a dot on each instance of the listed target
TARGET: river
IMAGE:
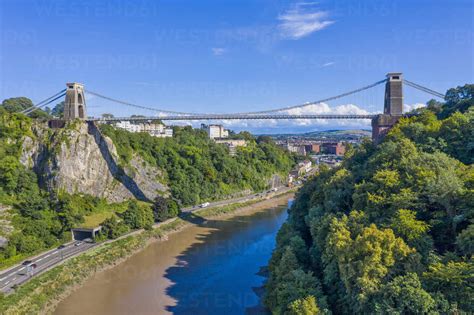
(209, 268)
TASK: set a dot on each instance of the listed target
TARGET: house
(153, 128)
(215, 131)
(304, 167)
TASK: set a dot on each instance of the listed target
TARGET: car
(78, 244)
(26, 262)
(204, 205)
(61, 246)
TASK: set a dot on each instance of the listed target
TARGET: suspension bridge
(75, 107)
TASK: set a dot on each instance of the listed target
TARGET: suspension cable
(241, 113)
(424, 89)
(320, 101)
(39, 107)
(136, 105)
(29, 109)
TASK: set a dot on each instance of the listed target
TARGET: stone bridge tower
(393, 107)
(75, 103)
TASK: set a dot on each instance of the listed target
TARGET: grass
(102, 211)
(40, 294)
(95, 219)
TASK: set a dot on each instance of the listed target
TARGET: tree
(454, 281)
(58, 110)
(164, 209)
(107, 115)
(304, 306)
(459, 99)
(17, 104)
(138, 217)
(9, 172)
(465, 240)
(407, 226)
(112, 228)
(404, 295)
(364, 259)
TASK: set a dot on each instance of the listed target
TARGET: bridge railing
(234, 117)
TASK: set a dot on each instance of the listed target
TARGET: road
(23, 272)
(226, 202)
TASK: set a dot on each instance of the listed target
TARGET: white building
(166, 133)
(154, 129)
(304, 167)
(215, 131)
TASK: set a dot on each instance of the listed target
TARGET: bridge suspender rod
(424, 89)
(42, 103)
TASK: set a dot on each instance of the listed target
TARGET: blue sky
(228, 56)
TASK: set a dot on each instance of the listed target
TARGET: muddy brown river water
(209, 268)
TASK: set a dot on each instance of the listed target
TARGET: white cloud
(281, 126)
(328, 64)
(409, 107)
(218, 51)
(302, 20)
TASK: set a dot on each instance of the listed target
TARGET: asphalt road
(226, 202)
(25, 271)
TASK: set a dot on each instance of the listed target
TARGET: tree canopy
(389, 231)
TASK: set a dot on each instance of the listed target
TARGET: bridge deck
(233, 117)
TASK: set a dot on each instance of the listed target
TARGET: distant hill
(339, 134)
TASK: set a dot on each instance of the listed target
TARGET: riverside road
(21, 273)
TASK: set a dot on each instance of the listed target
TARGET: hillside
(54, 179)
(391, 230)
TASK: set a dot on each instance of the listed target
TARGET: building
(152, 128)
(233, 144)
(304, 167)
(215, 131)
(298, 149)
(315, 148)
(336, 148)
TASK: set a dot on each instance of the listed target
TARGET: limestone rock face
(79, 159)
(6, 226)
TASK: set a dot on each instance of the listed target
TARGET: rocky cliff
(79, 159)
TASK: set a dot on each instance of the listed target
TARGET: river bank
(43, 293)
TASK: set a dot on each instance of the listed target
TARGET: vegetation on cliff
(195, 169)
(198, 169)
(390, 231)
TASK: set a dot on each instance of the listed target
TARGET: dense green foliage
(138, 217)
(390, 231)
(40, 220)
(17, 104)
(164, 209)
(198, 169)
(194, 167)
